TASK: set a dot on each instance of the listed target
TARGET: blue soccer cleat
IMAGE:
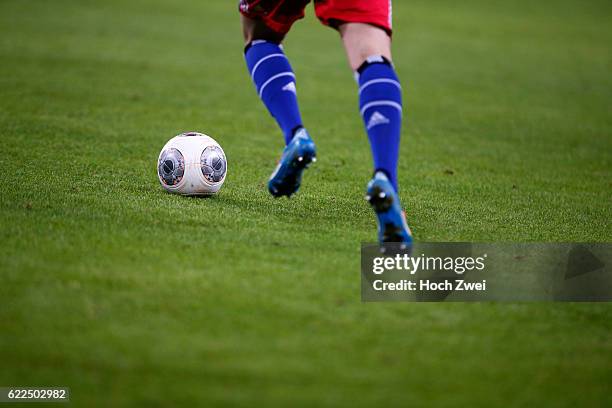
(392, 226)
(299, 153)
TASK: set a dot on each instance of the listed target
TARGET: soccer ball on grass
(192, 164)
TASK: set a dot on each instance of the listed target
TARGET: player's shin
(380, 104)
(275, 83)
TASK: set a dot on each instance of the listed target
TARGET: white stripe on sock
(267, 57)
(378, 81)
(282, 74)
(381, 103)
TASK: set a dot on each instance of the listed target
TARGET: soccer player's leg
(380, 101)
(365, 27)
(274, 80)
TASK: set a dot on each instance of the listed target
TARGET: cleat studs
(300, 159)
(382, 194)
(314, 159)
(368, 197)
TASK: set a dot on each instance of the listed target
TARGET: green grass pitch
(131, 296)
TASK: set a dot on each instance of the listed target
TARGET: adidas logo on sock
(290, 87)
(377, 118)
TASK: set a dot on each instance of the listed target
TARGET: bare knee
(362, 41)
(257, 30)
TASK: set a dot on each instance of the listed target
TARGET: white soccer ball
(192, 164)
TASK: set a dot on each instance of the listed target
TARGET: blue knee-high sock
(380, 105)
(275, 83)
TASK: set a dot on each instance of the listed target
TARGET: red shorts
(279, 15)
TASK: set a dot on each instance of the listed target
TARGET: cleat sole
(379, 201)
(389, 228)
(293, 181)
